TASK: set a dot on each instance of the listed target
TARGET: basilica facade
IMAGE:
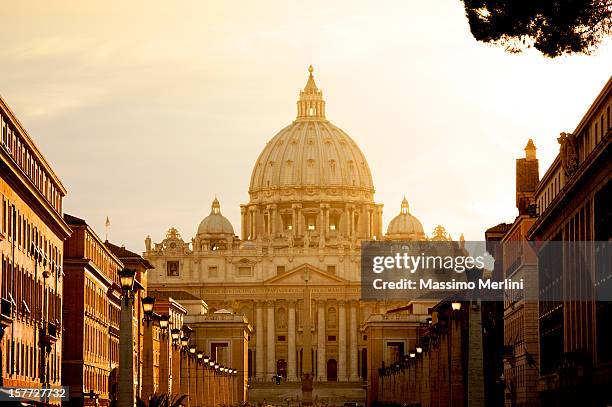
(311, 203)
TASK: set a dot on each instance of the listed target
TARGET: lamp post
(193, 389)
(206, 373)
(184, 365)
(199, 386)
(164, 355)
(211, 365)
(126, 350)
(148, 387)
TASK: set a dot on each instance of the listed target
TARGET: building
(519, 261)
(574, 202)
(91, 315)
(294, 272)
(32, 233)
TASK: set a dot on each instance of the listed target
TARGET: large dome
(215, 223)
(405, 226)
(311, 153)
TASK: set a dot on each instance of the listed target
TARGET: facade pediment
(295, 276)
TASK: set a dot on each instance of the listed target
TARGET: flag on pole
(106, 226)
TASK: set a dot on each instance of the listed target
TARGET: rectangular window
(331, 269)
(245, 271)
(331, 338)
(281, 338)
(172, 268)
(280, 270)
(213, 271)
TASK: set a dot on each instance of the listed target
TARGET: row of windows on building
(96, 379)
(27, 293)
(97, 304)
(24, 360)
(27, 238)
(100, 257)
(13, 143)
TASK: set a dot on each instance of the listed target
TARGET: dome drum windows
(310, 220)
(287, 219)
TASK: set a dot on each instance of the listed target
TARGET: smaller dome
(215, 223)
(405, 226)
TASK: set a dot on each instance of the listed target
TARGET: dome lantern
(405, 226)
(215, 223)
(311, 105)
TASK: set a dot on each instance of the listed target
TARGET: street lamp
(206, 360)
(456, 305)
(419, 349)
(175, 334)
(412, 355)
(126, 338)
(164, 321)
(192, 350)
(147, 307)
(126, 279)
(200, 356)
(184, 341)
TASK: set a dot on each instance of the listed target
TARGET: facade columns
(342, 341)
(379, 232)
(291, 365)
(243, 223)
(271, 348)
(259, 341)
(321, 362)
(353, 347)
(273, 220)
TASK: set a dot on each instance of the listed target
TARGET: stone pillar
(326, 220)
(348, 220)
(291, 365)
(259, 341)
(147, 362)
(342, 341)
(321, 362)
(273, 221)
(353, 347)
(243, 223)
(126, 355)
(184, 362)
(270, 342)
(176, 370)
(379, 232)
(165, 370)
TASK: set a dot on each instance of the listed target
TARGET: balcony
(49, 335)
(6, 312)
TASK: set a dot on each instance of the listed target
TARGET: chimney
(527, 178)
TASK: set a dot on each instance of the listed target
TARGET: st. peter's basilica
(311, 203)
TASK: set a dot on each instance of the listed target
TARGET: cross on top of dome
(311, 105)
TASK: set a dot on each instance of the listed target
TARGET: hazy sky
(146, 110)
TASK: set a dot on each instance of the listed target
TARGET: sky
(147, 110)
